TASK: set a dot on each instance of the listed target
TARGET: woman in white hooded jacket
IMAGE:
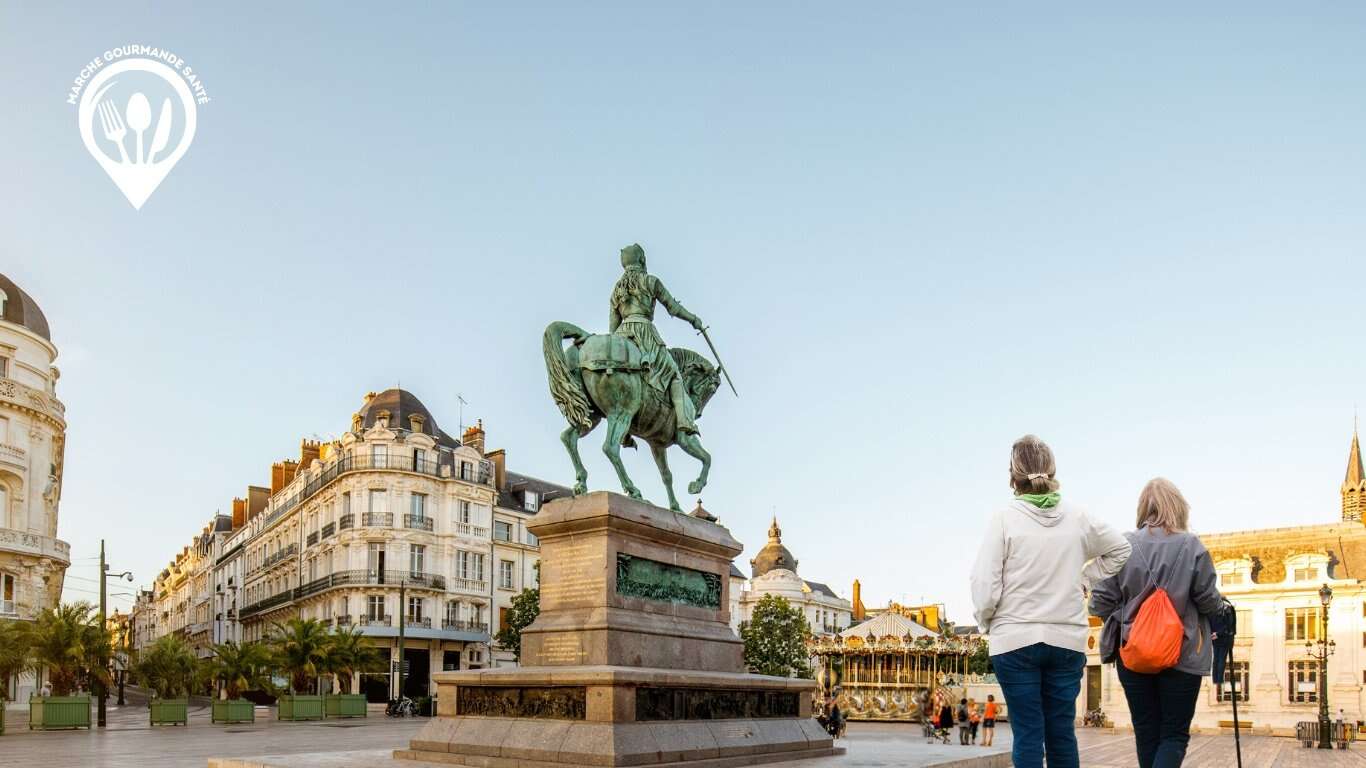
(1039, 557)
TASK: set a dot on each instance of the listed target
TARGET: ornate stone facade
(775, 573)
(33, 560)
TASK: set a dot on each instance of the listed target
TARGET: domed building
(33, 560)
(773, 571)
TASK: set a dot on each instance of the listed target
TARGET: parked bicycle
(401, 707)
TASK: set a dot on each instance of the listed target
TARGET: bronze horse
(601, 377)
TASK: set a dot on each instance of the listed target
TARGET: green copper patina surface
(628, 377)
(666, 582)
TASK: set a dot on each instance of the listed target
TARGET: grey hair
(1032, 468)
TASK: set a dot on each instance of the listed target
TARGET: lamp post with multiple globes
(1325, 648)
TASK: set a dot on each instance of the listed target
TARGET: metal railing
(375, 621)
(279, 555)
(377, 519)
(469, 529)
(371, 578)
(347, 520)
(312, 539)
(417, 522)
(329, 529)
(343, 621)
(9, 608)
(361, 462)
(425, 622)
(268, 603)
(1340, 733)
(465, 625)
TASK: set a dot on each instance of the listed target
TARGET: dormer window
(1306, 574)
(531, 501)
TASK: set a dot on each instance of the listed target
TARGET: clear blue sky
(917, 232)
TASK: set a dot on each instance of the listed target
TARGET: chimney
(500, 469)
(368, 397)
(239, 513)
(857, 603)
(309, 450)
(257, 498)
(474, 437)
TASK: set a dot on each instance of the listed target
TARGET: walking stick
(1237, 729)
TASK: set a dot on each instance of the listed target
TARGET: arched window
(4, 300)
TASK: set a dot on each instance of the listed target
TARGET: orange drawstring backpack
(1155, 637)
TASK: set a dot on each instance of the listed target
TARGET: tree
(240, 668)
(14, 652)
(70, 644)
(348, 652)
(300, 647)
(775, 639)
(525, 608)
(979, 661)
(169, 667)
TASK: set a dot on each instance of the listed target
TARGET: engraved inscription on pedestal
(563, 649)
(552, 702)
(575, 575)
(655, 703)
(668, 583)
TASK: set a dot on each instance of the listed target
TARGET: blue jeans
(1040, 683)
(1162, 706)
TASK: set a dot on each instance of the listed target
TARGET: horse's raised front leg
(692, 446)
(661, 454)
(617, 425)
(570, 438)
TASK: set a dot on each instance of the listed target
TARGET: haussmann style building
(394, 518)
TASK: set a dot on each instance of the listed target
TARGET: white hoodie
(1027, 584)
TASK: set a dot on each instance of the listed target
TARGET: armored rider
(632, 315)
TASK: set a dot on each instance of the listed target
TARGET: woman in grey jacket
(1164, 555)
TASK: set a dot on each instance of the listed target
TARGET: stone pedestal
(631, 661)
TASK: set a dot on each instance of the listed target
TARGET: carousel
(889, 667)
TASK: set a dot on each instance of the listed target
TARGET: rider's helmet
(633, 256)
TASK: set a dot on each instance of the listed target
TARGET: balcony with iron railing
(280, 555)
(346, 521)
(482, 474)
(375, 621)
(329, 529)
(368, 578)
(417, 522)
(465, 625)
(312, 539)
(424, 622)
(377, 519)
(343, 621)
(9, 608)
(266, 604)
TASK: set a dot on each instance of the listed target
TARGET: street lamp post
(1325, 649)
(104, 572)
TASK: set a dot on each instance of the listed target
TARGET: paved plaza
(130, 743)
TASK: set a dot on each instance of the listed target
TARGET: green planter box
(299, 708)
(233, 711)
(169, 711)
(345, 705)
(52, 713)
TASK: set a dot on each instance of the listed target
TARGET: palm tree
(169, 667)
(14, 652)
(244, 667)
(71, 645)
(348, 652)
(300, 647)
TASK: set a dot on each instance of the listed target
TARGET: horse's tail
(564, 387)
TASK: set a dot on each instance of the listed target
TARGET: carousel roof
(887, 624)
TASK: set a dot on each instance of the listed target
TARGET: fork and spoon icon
(137, 115)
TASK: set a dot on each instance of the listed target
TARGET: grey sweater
(1176, 562)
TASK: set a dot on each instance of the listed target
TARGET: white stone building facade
(33, 560)
(774, 572)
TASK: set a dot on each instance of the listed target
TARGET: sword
(719, 365)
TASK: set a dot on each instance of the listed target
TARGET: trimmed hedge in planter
(233, 711)
(345, 705)
(299, 708)
(169, 712)
(52, 713)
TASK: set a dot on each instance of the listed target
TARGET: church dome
(401, 405)
(774, 555)
(20, 308)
